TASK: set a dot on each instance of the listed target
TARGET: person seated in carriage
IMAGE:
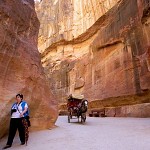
(75, 102)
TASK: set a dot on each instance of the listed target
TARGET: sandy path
(95, 134)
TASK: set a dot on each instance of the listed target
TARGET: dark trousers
(16, 123)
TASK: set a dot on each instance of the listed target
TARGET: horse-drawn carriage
(77, 106)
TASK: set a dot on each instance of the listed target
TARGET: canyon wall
(21, 70)
(100, 49)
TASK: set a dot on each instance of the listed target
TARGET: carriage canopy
(76, 96)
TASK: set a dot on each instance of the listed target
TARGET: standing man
(18, 111)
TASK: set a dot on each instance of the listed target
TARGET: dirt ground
(95, 134)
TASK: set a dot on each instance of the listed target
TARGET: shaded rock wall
(20, 65)
(107, 60)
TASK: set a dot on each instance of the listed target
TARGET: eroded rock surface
(20, 65)
(98, 48)
(65, 20)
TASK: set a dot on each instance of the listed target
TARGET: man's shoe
(22, 143)
(7, 146)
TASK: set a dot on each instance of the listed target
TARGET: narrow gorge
(100, 49)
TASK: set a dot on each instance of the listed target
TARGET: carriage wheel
(70, 113)
(69, 117)
(78, 118)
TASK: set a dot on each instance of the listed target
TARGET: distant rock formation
(20, 66)
(97, 48)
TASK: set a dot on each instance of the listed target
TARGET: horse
(82, 109)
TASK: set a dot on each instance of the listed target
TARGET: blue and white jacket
(19, 108)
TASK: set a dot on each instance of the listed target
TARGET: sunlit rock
(97, 48)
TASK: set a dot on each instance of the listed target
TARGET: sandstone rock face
(138, 110)
(65, 20)
(101, 53)
(20, 65)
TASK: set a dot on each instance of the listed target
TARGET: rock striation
(65, 20)
(100, 49)
(20, 66)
